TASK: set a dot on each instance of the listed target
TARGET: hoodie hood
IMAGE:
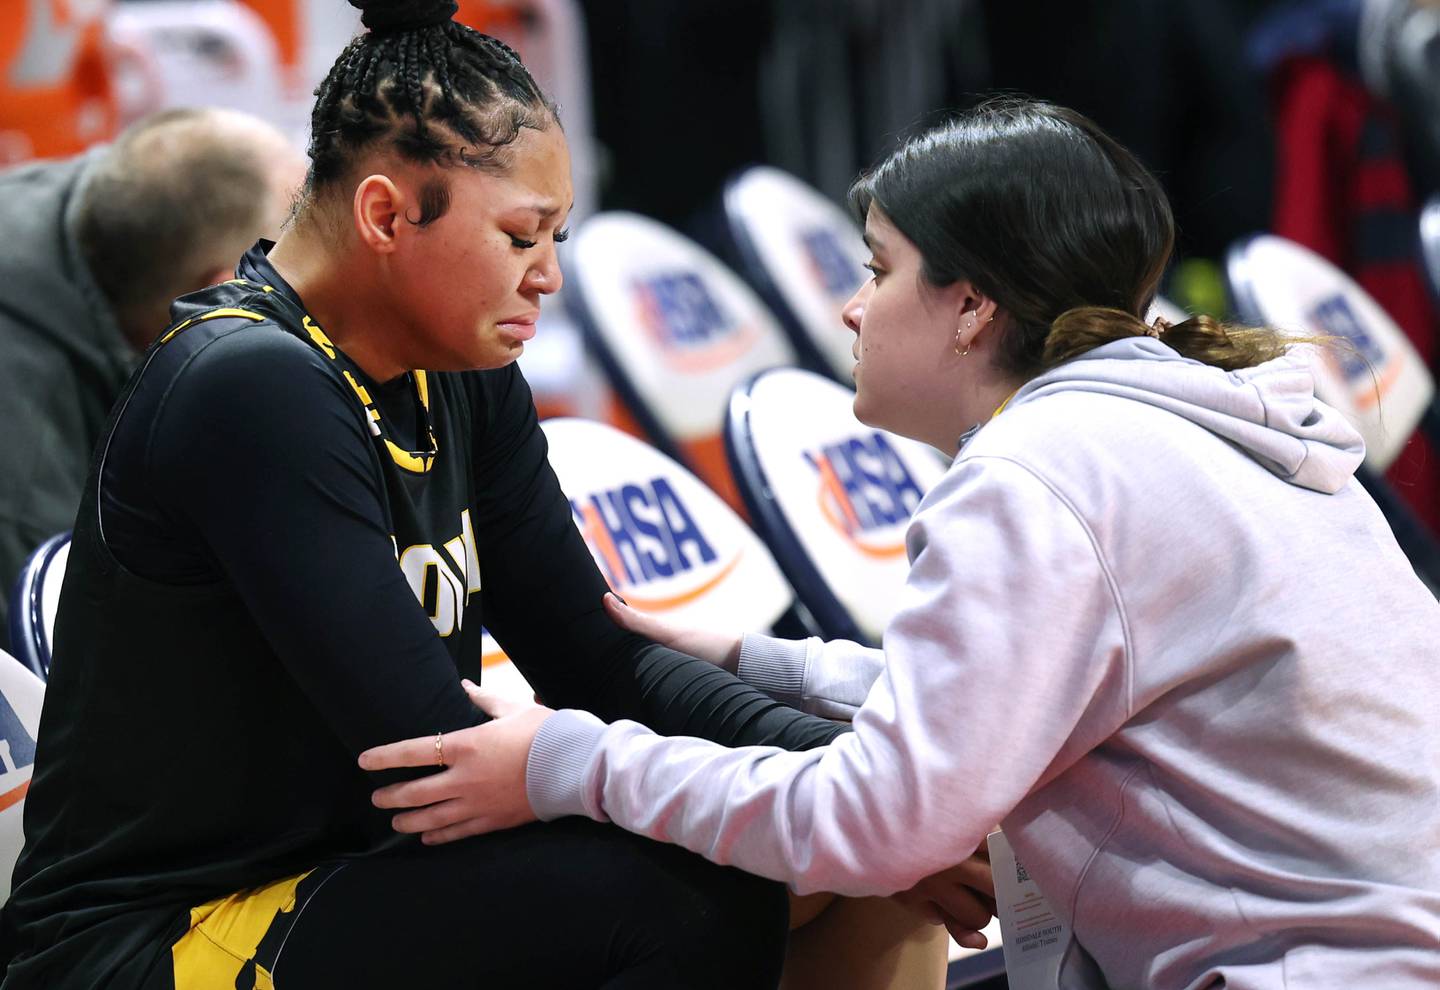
(48, 288)
(1269, 411)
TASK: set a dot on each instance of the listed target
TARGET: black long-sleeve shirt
(278, 564)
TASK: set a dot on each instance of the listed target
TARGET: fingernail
(621, 600)
(973, 941)
(468, 684)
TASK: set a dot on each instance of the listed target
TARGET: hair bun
(394, 16)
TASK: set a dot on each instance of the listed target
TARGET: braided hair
(435, 91)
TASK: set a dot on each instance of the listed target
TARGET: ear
(974, 312)
(378, 207)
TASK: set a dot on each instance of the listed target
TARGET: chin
(863, 411)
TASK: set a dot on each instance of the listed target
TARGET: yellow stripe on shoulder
(229, 311)
(213, 314)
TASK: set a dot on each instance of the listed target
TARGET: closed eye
(520, 242)
(562, 236)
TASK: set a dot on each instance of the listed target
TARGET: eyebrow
(543, 211)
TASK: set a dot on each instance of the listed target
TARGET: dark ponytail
(1055, 221)
(434, 91)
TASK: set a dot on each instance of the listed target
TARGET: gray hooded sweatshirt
(1154, 628)
(63, 359)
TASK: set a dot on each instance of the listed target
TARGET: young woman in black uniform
(234, 628)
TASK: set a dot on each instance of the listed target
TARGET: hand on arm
(721, 649)
(481, 789)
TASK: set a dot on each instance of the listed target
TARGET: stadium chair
(1430, 242)
(830, 496)
(33, 602)
(665, 542)
(21, 694)
(1381, 384)
(673, 329)
(803, 254)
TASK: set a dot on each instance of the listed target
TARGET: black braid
(440, 94)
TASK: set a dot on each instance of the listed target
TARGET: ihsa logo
(649, 545)
(831, 266)
(682, 315)
(866, 492)
(17, 754)
(1364, 357)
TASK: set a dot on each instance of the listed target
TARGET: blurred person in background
(95, 248)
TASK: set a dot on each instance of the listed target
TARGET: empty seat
(674, 330)
(831, 497)
(804, 256)
(664, 541)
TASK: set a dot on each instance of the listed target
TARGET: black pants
(570, 905)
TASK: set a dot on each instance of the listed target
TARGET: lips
(520, 328)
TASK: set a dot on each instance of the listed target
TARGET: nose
(545, 276)
(854, 310)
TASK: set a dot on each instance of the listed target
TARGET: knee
(718, 926)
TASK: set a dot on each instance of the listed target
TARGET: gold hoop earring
(956, 346)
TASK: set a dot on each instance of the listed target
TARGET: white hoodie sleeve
(826, 679)
(1007, 661)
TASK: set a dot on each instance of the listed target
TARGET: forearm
(830, 679)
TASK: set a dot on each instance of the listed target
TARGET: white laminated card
(1033, 936)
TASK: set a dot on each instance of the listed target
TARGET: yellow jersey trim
(212, 315)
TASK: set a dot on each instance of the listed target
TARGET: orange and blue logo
(691, 328)
(1364, 362)
(17, 752)
(830, 266)
(644, 535)
(865, 492)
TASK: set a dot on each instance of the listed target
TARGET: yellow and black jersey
(279, 563)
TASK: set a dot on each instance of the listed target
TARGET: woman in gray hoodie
(1153, 625)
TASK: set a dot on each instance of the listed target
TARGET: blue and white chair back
(21, 696)
(1380, 382)
(674, 329)
(33, 603)
(665, 542)
(830, 496)
(805, 257)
